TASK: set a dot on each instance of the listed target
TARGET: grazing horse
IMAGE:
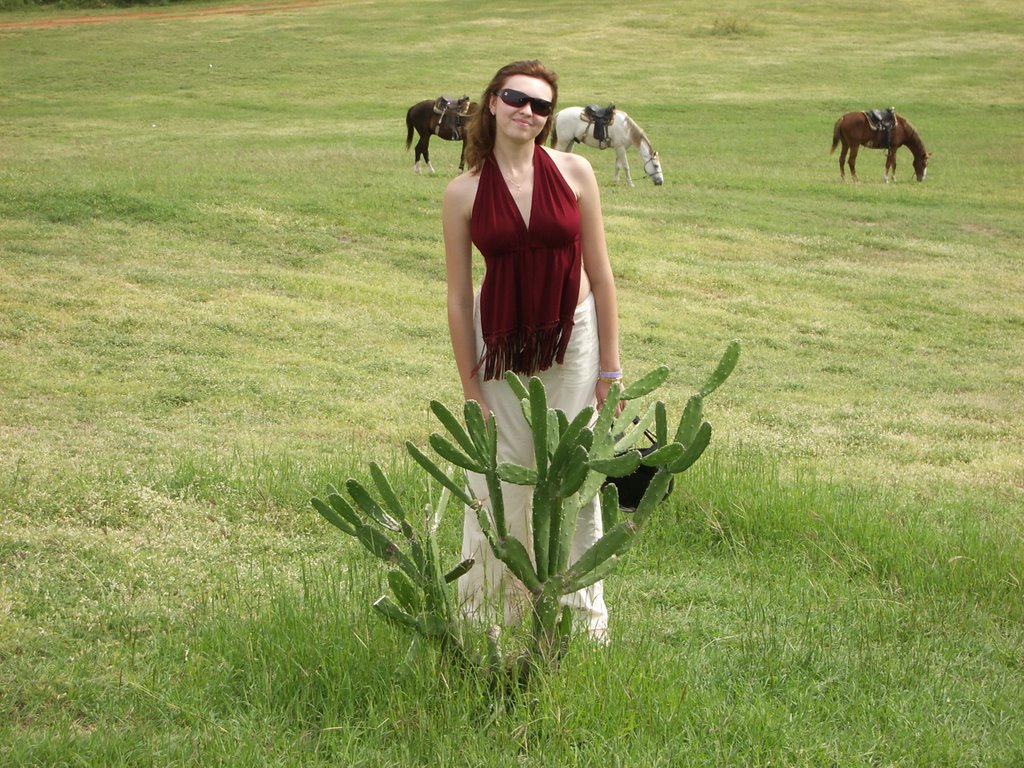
(571, 127)
(855, 130)
(443, 116)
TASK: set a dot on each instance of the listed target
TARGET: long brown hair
(482, 128)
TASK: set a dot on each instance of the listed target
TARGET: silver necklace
(517, 184)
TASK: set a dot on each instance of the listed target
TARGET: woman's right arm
(458, 249)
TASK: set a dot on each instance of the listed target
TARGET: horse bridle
(652, 159)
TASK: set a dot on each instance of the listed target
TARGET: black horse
(444, 116)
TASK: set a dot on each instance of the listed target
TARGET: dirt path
(161, 15)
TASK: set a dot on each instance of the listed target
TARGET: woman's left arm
(599, 270)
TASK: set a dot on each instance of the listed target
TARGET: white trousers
(488, 591)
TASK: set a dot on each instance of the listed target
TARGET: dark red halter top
(532, 276)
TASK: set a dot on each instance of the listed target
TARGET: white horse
(569, 128)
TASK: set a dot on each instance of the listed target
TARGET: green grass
(222, 288)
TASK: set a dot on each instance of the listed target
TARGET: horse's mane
(636, 133)
(913, 137)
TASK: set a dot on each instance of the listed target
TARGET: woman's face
(518, 117)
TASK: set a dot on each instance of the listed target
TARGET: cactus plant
(573, 459)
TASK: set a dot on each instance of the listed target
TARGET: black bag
(633, 486)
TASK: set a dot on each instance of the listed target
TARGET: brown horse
(854, 130)
(443, 116)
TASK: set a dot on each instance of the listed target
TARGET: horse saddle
(443, 103)
(601, 118)
(882, 121)
(452, 126)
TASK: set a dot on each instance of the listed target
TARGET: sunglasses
(518, 99)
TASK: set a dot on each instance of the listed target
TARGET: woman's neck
(515, 158)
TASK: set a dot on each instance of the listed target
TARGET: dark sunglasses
(518, 99)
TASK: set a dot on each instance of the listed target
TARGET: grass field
(222, 288)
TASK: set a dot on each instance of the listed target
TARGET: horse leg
(422, 148)
(419, 152)
(890, 162)
(462, 157)
(853, 161)
(622, 162)
(842, 161)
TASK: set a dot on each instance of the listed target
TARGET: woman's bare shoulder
(461, 192)
(462, 185)
(576, 169)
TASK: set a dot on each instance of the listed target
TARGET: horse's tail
(835, 136)
(408, 126)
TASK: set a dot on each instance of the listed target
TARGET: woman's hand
(601, 394)
(473, 391)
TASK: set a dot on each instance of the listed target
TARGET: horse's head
(652, 169)
(921, 165)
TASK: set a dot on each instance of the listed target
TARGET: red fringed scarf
(532, 279)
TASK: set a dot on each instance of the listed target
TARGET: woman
(546, 308)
